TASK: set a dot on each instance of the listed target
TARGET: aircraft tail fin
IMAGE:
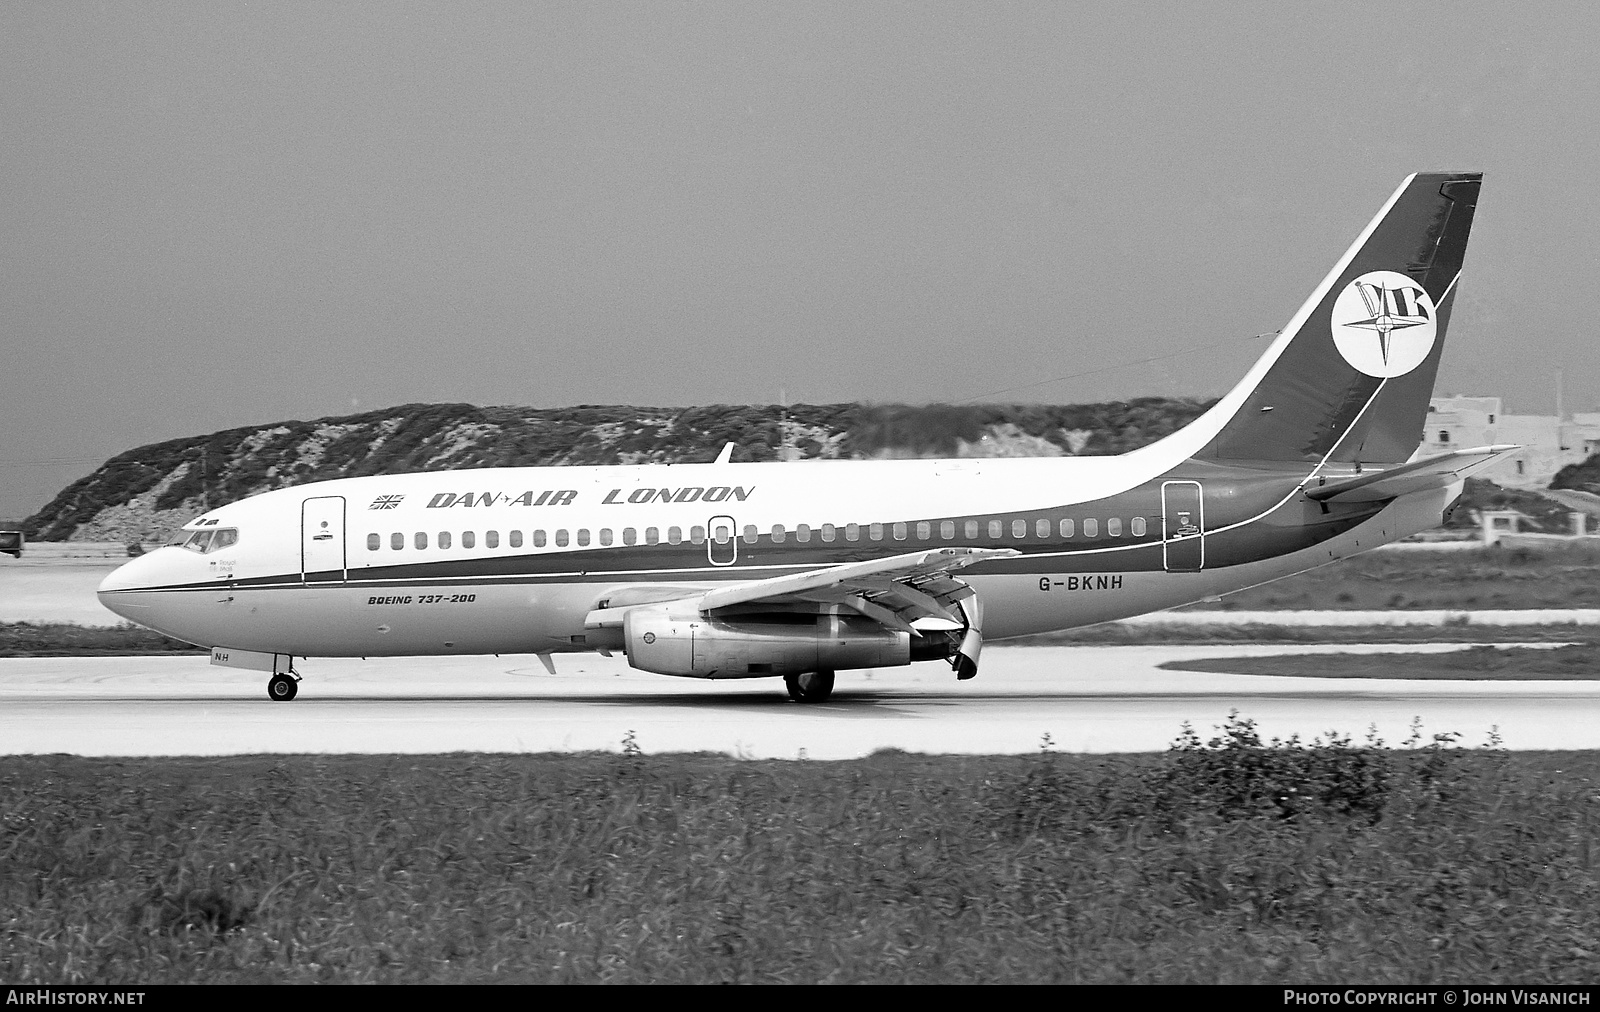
(1350, 376)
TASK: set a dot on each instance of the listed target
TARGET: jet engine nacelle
(670, 639)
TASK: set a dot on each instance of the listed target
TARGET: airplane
(800, 569)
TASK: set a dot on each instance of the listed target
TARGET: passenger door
(322, 540)
(1183, 524)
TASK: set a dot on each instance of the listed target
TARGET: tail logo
(1383, 324)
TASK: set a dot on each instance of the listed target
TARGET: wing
(1417, 476)
(902, 590)
(916, 591)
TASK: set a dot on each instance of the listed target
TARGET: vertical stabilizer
(1351, 375)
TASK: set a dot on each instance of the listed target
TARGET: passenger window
(802, 533)
(947, 529)
(722, 533)
(697, 535)
(468, 539)
(1041, 528)
(1091, 528)
(491, 539)
(875, 532)
(750, 534)
(630, 536)
(852, 532)
(778, 534)
(421, 540)
(397, 541)
(652, 535)
(561, 537)
(1138, 527)
(374, 542)
(995, 529)
(583, 537)
(1019, 528)
(444, 539)
(972, 529)
(1066, 528)
(516, 539)
(828, 531)
(924, 530)
(674, 535)
(605, 536)
(899, 532)
(1114, 527)
(538, 539)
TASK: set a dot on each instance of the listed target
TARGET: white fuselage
(505, 560)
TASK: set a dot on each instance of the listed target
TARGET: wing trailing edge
(872, 574)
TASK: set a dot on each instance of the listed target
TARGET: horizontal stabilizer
(1417, 476)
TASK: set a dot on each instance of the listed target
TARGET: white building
(1548, 443)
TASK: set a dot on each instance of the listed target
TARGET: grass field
(1578, 661)
(61, 639)
(1136, 635)
(1228, 862)
(1561, 576)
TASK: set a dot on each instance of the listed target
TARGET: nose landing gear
(283, 687)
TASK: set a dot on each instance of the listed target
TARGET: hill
(141, 495)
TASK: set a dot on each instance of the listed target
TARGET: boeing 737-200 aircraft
(801, 569)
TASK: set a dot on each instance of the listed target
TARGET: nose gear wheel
(282, 688)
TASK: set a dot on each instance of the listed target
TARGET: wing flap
(1417, 476)
(873, 576)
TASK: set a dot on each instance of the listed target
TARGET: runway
(1086, 698)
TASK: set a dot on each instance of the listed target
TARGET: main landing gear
(283, 687)
(810, 687)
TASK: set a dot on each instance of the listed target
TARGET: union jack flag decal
(386, 502)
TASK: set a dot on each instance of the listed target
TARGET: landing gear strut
(810, 687)
(282, 688)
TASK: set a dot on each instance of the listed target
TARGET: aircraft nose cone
(118, 579)
(123, 578)
(156, 591)
(119, 591)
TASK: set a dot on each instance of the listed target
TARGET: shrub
(1238, 775)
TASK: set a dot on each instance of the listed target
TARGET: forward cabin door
(322, 540)
(1183, 526)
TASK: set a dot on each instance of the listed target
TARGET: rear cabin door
(322, 540)
(1183, 526)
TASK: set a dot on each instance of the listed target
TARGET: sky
(218, 214)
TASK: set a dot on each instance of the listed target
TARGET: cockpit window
(206, 541)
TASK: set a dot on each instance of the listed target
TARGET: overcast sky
(219, 214)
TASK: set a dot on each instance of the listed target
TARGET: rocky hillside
(141, 495)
